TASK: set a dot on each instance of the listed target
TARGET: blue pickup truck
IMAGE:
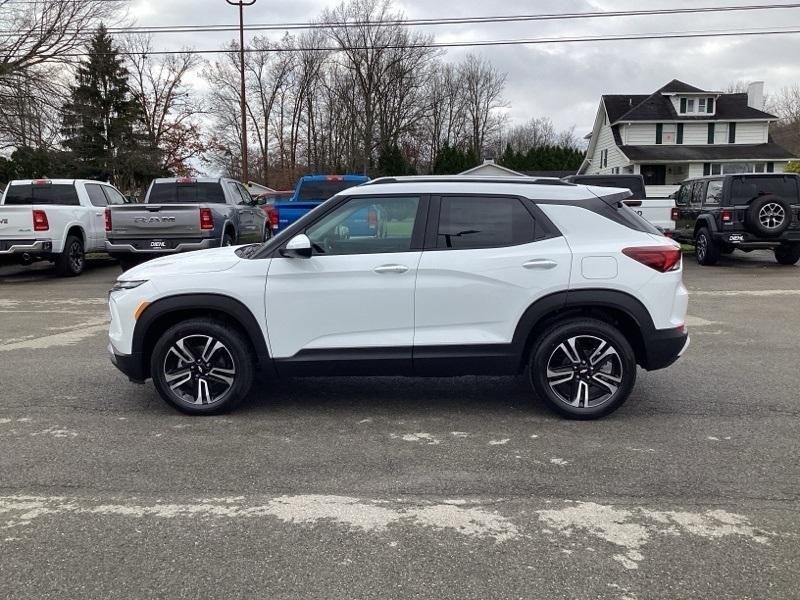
(311, 191)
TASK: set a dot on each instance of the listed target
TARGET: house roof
(682, 153)
(491, 166)
(659, 107)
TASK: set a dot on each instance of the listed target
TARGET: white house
(681, 131)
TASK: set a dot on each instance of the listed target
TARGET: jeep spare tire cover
(768, 216)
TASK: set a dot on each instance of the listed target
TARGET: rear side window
(713, 193)
(61, 194)
(96, 195)
(744, 189)
(173, 192)
(483, 222)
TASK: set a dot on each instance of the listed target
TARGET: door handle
(540, 263)
(391, 269)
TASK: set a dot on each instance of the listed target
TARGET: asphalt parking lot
(398, 488)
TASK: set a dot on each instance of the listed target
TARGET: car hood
(200, 261)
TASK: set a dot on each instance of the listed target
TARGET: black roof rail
(466, 179)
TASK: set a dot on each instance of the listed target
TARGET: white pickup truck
(58, 220)
(657, 210)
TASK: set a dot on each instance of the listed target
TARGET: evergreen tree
(391, 161)
(100, 120)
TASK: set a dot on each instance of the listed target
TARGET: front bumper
(130, 364)
(133, 248)
(9, 247)
(664, 347)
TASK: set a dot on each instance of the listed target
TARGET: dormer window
(697, 106)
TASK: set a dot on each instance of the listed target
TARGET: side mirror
(297, 247)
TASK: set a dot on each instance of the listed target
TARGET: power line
(510, 42)
(223, 27)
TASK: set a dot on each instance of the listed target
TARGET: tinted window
(714, 193)
(186, 193)
(744, 189)
(697, 192)
(238, 196)
(682, 197)
(366, 226)
(113, 196)
(634, 184)
(483, 222)
(96, 195)
(63, 194)
(322, 190)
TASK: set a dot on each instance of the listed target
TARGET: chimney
(755, 95)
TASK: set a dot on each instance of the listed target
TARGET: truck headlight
(127, 285)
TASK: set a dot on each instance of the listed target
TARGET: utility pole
(241, 4)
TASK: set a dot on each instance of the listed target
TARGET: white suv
(419, 276)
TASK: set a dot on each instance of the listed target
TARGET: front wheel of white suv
(201, 366)
(583, 368)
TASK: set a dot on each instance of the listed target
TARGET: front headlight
(127, 285)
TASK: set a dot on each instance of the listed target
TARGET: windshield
(322, 190)
(173, 192)
(744, 189)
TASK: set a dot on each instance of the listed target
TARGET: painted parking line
(70, 336)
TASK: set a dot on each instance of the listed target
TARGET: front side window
(483, 222)
(366, 225)
(113, 196)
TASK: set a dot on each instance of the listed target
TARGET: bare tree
(483, 88)
(786, 105)
(39, 37)
(168, 109)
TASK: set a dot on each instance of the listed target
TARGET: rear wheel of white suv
(583, 368)
(202, 366)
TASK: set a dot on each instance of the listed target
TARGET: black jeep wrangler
(722, 213)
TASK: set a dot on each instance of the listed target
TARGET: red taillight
(334, 178)
(206, 219)
(660, 258)
(674, 214)
(108, 219)
(273, 217)
(372, 218)
(40, 221)
(40, 182)
(186, 180)
(727, 216)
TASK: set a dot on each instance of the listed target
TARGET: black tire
(228, 353)
(227, 240)
(72, 261)
(706, 250)
(768, 216)
(788, 254)
(601, 387)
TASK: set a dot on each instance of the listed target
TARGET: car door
(98, 201)
(354, 297)
(257, 216)
(684, 225)
(245, 219)
(486, 260)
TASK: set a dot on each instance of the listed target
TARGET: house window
(711, 133)
(712, 169)
(679, 136)
(710, 106)
(690, 105)
(701, 105)
(731, 133)
(683, 105)
(659, 132)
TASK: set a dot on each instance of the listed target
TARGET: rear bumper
(130, 364)
(744, 239)
(10, 247)
(128, 248)
(664, 347)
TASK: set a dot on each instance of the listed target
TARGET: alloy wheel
(701, 247)
(585, 371)
(199, 369)
(771, 215)
(76, 257)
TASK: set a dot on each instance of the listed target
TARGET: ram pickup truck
(311, 191)
(183, 214)
(57, 220)
(656, 210)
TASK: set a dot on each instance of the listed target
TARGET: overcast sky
(560, 81)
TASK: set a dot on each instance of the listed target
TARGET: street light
(241, 4)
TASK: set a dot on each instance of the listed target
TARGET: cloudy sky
(560, 81)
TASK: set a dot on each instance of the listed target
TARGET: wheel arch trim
(232, 308)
